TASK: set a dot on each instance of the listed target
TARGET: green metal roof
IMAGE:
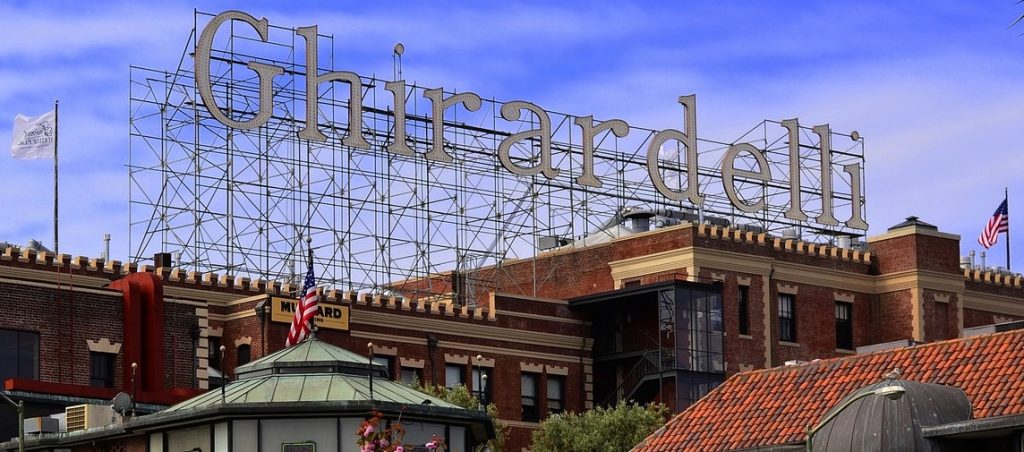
(304, 388)
(309, 357)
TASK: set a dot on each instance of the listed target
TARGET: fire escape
(660, 342)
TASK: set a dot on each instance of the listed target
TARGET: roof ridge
(824, 361)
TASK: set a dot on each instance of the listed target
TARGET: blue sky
(936, 88)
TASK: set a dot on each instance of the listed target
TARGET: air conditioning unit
(81, 417)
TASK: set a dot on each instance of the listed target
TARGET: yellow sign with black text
(330, 316)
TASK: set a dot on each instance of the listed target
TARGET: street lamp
(223, 374)
(135, 367)
(891, 392)
(369, 347)
(20, 406)
(481, 380)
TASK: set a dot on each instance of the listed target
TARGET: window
(744, 305)
(528, 384)
(700, 314)
(844, 325)
(410, 376)
(454, 375)
(308, 446)
(244, 354)
(481, 384)
(385, 361)
(102, 374)
(213, 352)
(19, 355)
(787, 317)
(556, 394)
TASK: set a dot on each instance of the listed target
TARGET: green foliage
(614, 429)
(462, 397)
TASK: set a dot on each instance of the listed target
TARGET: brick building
(661, 315)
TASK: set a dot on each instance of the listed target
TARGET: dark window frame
(243, 351)
(213, 352)
(530, 411)
(787, 317)
(108, 368)
(305, 446)
(556, 405)
(743, 303)
(461, 372)
(844, 325)
(21, 367)
(416, 372)
(389, 363)
(481, 394)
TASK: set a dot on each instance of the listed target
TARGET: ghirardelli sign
(542, 164)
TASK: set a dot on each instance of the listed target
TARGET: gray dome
(877, 423)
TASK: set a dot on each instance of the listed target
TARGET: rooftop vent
(82, 417)
(913, 221)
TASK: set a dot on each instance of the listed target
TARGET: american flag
(1000, 222)
(304, 311)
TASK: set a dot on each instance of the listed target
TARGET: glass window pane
(8, 354)
(453, 375)
(554, 388)
(28, 355)
(244, 354)
(529, 385)
(410, 376)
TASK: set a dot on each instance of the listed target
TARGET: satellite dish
(122, 403)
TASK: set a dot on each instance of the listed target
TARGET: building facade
(664, 315)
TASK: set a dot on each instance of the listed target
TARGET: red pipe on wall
(143, 302)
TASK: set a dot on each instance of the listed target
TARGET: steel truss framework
(252, 202)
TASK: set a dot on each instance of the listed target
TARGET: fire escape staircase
(641, 382)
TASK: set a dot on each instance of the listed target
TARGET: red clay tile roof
(775, 406)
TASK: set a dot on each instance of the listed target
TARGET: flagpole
(1006, 193)
(56, 127)
(309, 265)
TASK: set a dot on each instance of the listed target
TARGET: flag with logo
(998, 223)
(35, 137)
(305, 310)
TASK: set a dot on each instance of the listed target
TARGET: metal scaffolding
(247, 202)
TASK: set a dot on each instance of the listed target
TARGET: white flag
(34, 138)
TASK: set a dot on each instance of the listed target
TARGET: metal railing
(651, 362)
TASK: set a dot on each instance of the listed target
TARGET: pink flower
(368, 431)
(431, 445)
(399, 449)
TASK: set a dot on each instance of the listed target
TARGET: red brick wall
(922, 252)
(974, 317)
(892, 320)
(65, 320)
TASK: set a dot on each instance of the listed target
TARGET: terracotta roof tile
(775, 406)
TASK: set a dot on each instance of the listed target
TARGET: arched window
(244, 354)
